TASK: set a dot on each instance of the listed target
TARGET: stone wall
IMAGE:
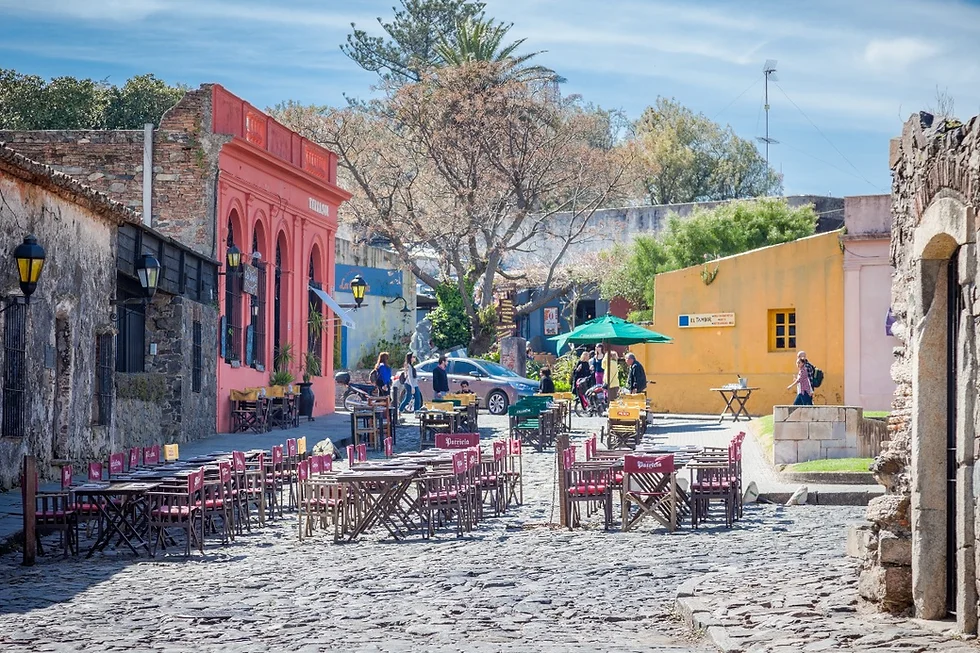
(936, 187)
(185, 163)
(802, 433)
(69, 309)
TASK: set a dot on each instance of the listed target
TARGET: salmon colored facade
(804, 278)
(277, 196)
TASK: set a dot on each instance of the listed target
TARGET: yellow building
(778, 300)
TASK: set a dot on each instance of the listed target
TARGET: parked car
(496, 386)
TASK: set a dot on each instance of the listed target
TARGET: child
(464, 388)
(547, 385)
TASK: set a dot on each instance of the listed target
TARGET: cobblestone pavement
(516, 583)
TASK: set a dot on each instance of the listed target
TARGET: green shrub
(396, 349)
(450, 324)
(561, 372)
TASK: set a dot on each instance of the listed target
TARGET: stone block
(790, 431)
(889, 587)
(889, 509)
(808, 450)
(839, 452)
(780, 413)
(820, 431)
(784, 452)
(858, 536)
(894, 550)
(851, 440)
(840, 431)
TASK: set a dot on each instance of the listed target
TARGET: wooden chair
(217, 503)
(587, 483)
(624, 427)
(171, 453)
(514, 472)
(135, 458)
(649, 485)
(713, 479)
(151, 455)
(364, 425)
(117, 462)
(321, 502)
(55, 512)
(443, 496)
(274, 475)
(253, 487)
(177, 509)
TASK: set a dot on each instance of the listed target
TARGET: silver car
(496, 386)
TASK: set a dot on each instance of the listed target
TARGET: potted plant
(311, 364)
(283, 361)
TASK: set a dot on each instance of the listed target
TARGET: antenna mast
(769, 71)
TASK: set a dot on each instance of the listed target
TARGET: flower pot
(306, 400)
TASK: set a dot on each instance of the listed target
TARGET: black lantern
(357, 286)
(234, 258)
(30, 261)
(255, 309)
(148, 271)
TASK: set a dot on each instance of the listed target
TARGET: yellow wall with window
(785, 298)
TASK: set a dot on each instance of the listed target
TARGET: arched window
(233, 346)
(257, 301)
(315, 325)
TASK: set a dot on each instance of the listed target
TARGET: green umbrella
(610, 330)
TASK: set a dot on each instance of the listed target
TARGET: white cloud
(896, 55)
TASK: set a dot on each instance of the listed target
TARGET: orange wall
(806, 274)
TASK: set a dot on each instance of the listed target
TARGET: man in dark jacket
(440, 382)
(636, 379)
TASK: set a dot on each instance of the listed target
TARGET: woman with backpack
(409, 378)
(804, 390)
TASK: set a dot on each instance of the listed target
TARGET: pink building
(867, 299)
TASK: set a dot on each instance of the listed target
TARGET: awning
(344, 316)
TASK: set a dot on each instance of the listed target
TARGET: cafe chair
(649, 490)
(587, 484)
(54, 512)
(177, 508)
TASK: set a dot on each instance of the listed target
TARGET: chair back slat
(238, 460)
(326, 463)
(472, 457)
(499, 450)
(195, 482)
(350, 455)
(224, 471)
(116, 462)
(459, 463)
(66, 473)
(649, 464)
(134, 457)
(515, 445)
(315, 462)
(457, 440)
(389, 447)
(301, 445)
(95, 472)
(277, 454)
(292, 448)
(303, 470)
(568, 458)
(362, 452)
(151, 455)
(171, 452)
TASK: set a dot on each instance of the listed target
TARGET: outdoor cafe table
(125, 517)
(735, 397)
(445, 420)
(378, 497)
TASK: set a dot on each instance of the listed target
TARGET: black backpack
(374, 376)
(817, 379)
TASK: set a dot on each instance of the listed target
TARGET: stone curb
(828, 478)
(827, 498)
(698, 616)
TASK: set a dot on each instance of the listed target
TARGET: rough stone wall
(185, 164)
(78, 279)
(933, 159)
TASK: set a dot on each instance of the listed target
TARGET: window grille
(103, 379)
(14, 371)
(782, 329)
(198, 356)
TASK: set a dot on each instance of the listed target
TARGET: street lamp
(405, 308)
(357, 286)
(30, 261)
(148, 273)
(233, 258)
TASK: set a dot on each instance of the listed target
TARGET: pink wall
(268, 189)
(867, 297)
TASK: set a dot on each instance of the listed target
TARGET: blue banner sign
(380, 282)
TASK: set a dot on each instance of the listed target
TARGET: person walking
(412, 390)
(547, 385)
(440, 380)
(583, 370)
(804, 390)
(636, 378)
(611, 367)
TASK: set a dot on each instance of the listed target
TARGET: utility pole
(769, 71)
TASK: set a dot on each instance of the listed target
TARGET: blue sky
(849, 72)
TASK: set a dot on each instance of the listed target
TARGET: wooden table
(125, 518)
(735, 398)
(378, 497)
(433, 420)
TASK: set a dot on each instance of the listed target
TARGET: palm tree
(481, 39)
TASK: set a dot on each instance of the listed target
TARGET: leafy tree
(469, 166)
(685, 157)
(481, 39)
(725, 230)
(142, 99)
(414, 35)
(450, 323)
(28, 102)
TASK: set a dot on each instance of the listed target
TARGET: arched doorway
(943, 565)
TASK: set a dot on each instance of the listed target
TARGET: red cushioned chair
(649, 490)
(55, 512)
(443, 497)
(177, 508)
(586, 483)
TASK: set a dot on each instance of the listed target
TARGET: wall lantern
(30, 261)
(357, 286)
(405, 308)
(255, 309)
(148, 273)
(233, 259)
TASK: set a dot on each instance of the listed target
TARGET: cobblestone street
(516, 583)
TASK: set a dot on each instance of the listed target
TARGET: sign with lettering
(250, 280)
(380, 282)
(319, 207)
(551, 320)
(706, 320)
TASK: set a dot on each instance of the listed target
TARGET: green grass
(762, 427)
(877, 413)
(832, 465)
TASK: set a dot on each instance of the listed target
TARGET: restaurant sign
(706, 320)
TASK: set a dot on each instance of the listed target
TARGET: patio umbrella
(610, 330)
